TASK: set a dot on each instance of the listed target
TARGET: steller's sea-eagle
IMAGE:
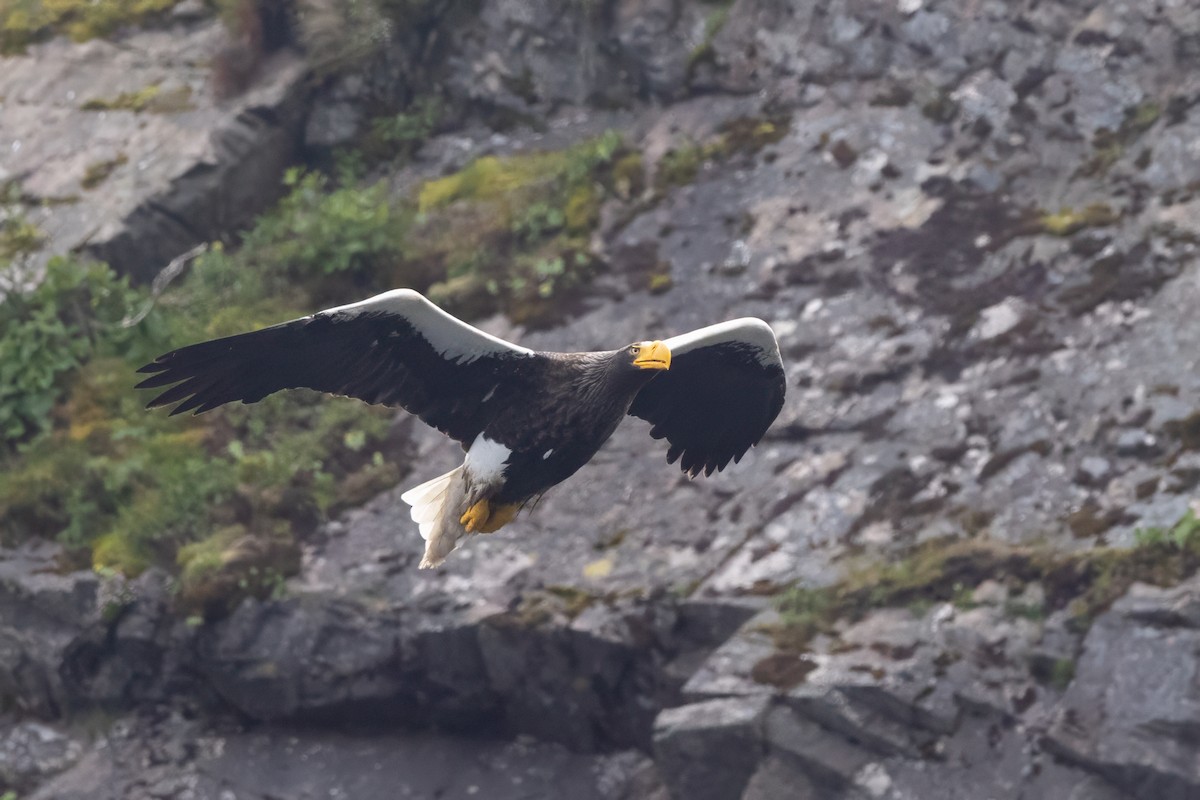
(528, 420)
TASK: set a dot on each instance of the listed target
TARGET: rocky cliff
(960, 564)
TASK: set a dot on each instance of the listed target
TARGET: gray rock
(185, 169)
(31, 752)
(151, 757)
(332, 124)
(1130, 712)
(709, 750)
(305, 657)
(780, 778)
(1094, 470)
(48, 621)
(830, 761)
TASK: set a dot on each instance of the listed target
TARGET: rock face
(1130, 714)
(123, 151)
(972, 227)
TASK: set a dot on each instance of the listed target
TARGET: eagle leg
(483, 517)
(476, 516)
(501, 515)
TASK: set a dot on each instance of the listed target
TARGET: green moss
(704, 52)
(681, 165)
(18, 237)
(25, 21)
(217, 572)
(97, 173)
(743, 135)
(511, 233)
(1109, 145)
(125, 101)
(1067, 221)
(751, 134)
(1062, 672)
(322, 235)
(1085, 582)
(536, 609)
(582, 209)
(1184, 534)
(397, 136)
(492, 178)
(1140, 119)
(659, 283)
(629, 176)
(115, 552)
(151, 98)
(575, 600)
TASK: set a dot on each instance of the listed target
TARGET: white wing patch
(486, 461)
(451, 337)
(747, 330)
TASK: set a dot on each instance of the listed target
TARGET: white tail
(437, 506)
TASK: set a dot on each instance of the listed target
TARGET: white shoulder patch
(749, 331)
(450, 336)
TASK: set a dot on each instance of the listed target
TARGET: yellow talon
(500, 516)
(476, 517)
(483, 517)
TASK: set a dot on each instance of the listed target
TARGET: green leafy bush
(75, 310)
(83, 460)
(317, 230)
(399, 135)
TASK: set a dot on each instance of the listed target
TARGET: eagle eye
(634, 349)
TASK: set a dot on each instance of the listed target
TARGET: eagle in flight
(527, 419)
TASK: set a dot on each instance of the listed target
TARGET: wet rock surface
(975, 240)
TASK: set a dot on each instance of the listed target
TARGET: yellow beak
(654, 355)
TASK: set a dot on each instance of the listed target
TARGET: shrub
(45, 332)
(318, 230)
(129, 487)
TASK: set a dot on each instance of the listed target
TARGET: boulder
(1130, 712)
(709, 750)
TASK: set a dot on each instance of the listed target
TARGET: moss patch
(25, 21)
(1109, 145)
(1086, 583)
(216, 573)
(98, 173)
(18, 238)
(704, 52)
(511, 233)
(125, 101)
(152, 98)
(740, 136)
(1068, 221)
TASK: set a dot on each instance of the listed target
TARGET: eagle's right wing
(396, 348)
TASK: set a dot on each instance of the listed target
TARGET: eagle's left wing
(724, 389)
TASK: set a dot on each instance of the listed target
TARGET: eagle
(527, 419)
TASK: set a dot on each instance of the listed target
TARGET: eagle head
(649, 355)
